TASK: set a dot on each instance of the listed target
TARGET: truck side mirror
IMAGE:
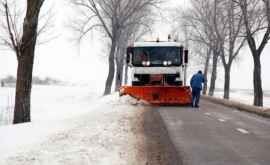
(181, 52)
(186, 56)
(129, 52)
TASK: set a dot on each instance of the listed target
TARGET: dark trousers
(196, 94)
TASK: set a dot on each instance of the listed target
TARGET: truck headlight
(135, 79)
(165, 63)
(144, 63)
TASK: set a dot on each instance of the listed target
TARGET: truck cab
(157, 63)
(158, 73)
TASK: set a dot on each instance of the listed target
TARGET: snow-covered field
(245, 96)
(6, 105)
(48, 102)
(71, 126)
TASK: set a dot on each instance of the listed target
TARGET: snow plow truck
(158, 73)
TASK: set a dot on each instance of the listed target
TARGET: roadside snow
(48, 102)
(82, 132)
(245, 96)
(7, 96)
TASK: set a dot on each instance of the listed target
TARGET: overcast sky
(62, 59)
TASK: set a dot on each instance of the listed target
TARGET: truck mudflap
(176, 95)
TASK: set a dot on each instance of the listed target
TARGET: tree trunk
(23, 90)
(119, 74)
(214, 74)
(257, 81)
(26, 62)
(227, 80)
(206, 67)
(126, 74)
(109, 81)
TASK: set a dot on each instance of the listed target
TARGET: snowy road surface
(218, 135)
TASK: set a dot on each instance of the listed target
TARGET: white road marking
(222, 120)
(208, 114)
(176, 123)
(243, 131)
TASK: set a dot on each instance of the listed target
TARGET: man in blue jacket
(196, 85)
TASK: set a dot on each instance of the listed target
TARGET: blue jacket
(196, 81)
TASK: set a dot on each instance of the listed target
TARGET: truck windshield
(157, 56)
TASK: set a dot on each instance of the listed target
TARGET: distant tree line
(11, 80)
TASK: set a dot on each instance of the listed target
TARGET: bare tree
(228, 25)
(256, 18)
(16, 11)
(113, 17)
(206, 69)
(24, 46)
(218, 25)
(142, 25)
(234, 40)
(200, 20)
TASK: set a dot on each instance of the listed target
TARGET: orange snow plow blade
(159, 94)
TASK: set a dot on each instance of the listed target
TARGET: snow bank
(52, 106)
(241, 106)
(245, 96)
(48, 102)
(7, 96)
(74, 131)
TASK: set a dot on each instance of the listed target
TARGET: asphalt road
(217, 135)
